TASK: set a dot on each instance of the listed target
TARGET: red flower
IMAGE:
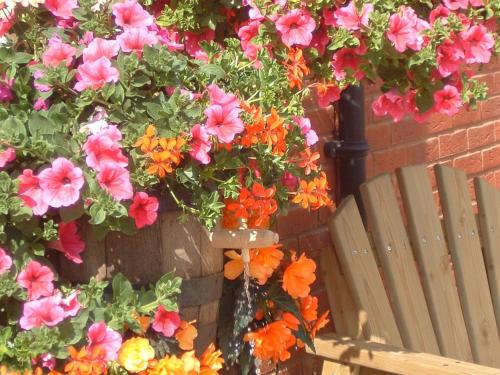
(37, 279)
(166, 322)
(143, 209)
(69, 242)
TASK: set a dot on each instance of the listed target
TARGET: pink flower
(296, 27)
(456, 4)
(41, 104)
(37, 279)
(61, 8)
(130, 14)
(224, 124)
(349, 17)
(166, 322)
(329, 17)
(320, 40)
(70, 304)
(6, 156)
(45, 311)
(169, 37)
(143, 209)
(100, 48)
(46, 360)
(192, 43)
(447, 100)
(306, 129)
(6, 94)
(477, 3)
(5, 261)
(328, 94)
(61, 183)
(391, 103)
(95, 74)
(31, 193)
(290, 181)
(348, 58)
(134, 40)
(116, 181)
(37, 74)
(103, 148)
(200, 144)
(69, 242)
(439, 12)
(449, 57)
(219, 97)
(405, 30)
(101, 336)
(477, 44)
(57, 53)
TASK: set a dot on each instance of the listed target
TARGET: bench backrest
(425, 286)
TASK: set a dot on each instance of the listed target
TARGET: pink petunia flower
(192, 43)
(169, 37)
(115, 180)
(103, 148)
(130, 15)
(143, 209)
(349, 17)
(166, 322)
(95, 74)
(57, 53)
(412, 108)
(306, 129)
(45, 311)
(296, 27)
(98, 48)
(440, 12)
(31, 193)
(69, 242)
(405, 30)
(329, 17)
(391, 103)
(61, 183)
(217, 96)
(320, 40)
(246, 33)
(5, 261)
(447, 100)
(6, 156)
(348, 58)
(456, 4)
(41, 104)
(37, 74)
(200, 144)
(70, 304)
(61, 8)
(449, 57)
(101, 336)
(37, 279)
(6, 94)
(134, 40)
(224, 124)
(477, 43)
(46, 360)
(328, 95)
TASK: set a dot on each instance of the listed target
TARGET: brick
(497, 179)
(490, 109)
(437, 123)
(465, 117)
(496, 84)
(389, 160)
(406, 131)
(322, 120)
(379, 136)
(452, 143)
(481, 135)
(315, 241)
(497, 131)
(296, 221)
(426, 151)
(491, 157)
(489, 80)
(470, 163)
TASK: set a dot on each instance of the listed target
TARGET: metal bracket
(330, 148)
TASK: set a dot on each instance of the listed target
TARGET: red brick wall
(469, 141)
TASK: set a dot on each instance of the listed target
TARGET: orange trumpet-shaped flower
(211, 361)
(298, 276)
(272, 341)
(309, 308)
(185, 335)
(85, 362)
(296, 67)
(320, 323)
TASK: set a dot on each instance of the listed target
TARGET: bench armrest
(393, 359)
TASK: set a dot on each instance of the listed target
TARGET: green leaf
(72, 212)
(212, 70)
(38, 124)
(122, 289)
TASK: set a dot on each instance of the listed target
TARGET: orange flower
(291, 321)
(308, 161)
(5, 371)
(144, 322)
(296, 67)
(187, 364)
(84, 362)
(298, 276)
(185, 335)
(320, 323)
(211, 361)
(309, 308)
(263, 262)
(147, 143)
(272, 341)
(314, 193)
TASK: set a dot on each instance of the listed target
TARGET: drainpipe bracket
(353, 149)
(330, 148)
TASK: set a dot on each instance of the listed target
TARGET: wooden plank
(488, 202)
(398, 264)
(393, 359)
(358, 262)
(470, 272)
(432, 256)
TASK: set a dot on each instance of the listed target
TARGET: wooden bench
(417, 294)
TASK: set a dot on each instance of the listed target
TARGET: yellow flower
(187, 364)
(135, 354)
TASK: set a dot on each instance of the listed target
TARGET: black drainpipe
(351, 149)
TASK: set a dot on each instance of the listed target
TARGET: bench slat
(470, 272)
(432, 256)
(488, 202)
(398, 264)
(358, 262)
